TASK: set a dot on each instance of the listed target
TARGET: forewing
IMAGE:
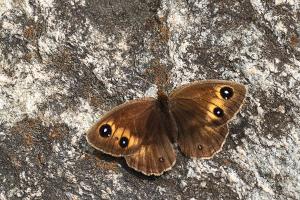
(124, 124)
(202, 111)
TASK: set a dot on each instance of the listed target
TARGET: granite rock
(64, 63)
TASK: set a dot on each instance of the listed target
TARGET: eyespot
(218, 112)
(161, 159)
(105, 130)
(226, 92)
(123, 142)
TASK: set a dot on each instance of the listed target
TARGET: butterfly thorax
(166, 117)
(163, 100)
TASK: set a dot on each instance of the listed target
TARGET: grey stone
(64, 63)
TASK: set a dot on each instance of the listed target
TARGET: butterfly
(195, 116)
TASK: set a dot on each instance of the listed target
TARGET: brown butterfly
(143, 131)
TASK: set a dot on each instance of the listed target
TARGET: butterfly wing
(156, 154)
(202, 110)
(139, 131)
(121, 131)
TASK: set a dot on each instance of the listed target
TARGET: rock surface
(64, 63)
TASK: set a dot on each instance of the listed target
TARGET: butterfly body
(194, 116)
(167, 118)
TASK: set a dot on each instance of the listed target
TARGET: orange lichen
(55, 133)
(28, 139)
(294, 40)
(164, 30)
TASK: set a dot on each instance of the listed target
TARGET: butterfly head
(163, 100)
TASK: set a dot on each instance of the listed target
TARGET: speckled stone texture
(64, 63)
